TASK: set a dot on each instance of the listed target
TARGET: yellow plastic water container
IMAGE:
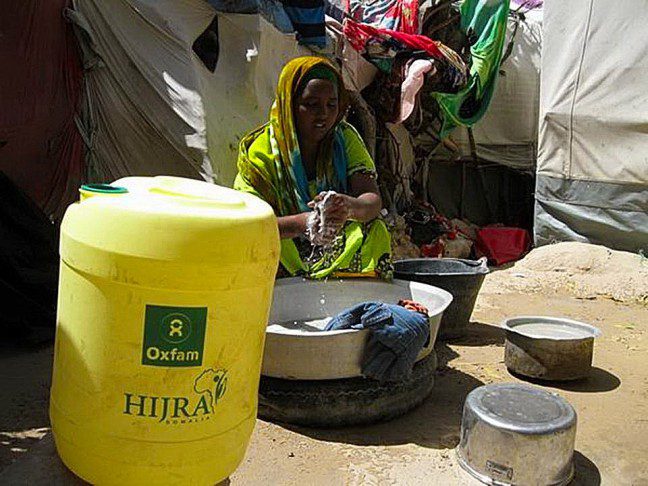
(164, 294)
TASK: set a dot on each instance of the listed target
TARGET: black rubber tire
(351, 401)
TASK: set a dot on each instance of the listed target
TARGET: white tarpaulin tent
(151, 105)
(592, 177)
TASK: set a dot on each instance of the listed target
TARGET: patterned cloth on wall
(381, 46)
(398, 15)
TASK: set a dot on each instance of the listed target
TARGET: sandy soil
(579, 269)
(612, 407)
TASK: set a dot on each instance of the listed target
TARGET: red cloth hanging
(400, 15)
(359, 34)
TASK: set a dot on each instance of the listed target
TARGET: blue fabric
(235, 6)
(302, 181)
(307, 17)
(397, 337)
(340, 164)
(274, 11)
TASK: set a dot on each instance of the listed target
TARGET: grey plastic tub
(462, 278)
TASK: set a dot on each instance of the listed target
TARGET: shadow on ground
(480, 334)
(41, 466)
(435, 424)
(25, 374)
(598, 381)
(586, 472)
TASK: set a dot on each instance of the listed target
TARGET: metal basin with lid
(549, 348)
(515, 434)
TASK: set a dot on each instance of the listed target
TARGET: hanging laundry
(414, 79)
(274, 12)
(307, 17)
(484, 24)
(357, 72)
(397, 15)
(380, 46)
(384, 93)
(235, 6)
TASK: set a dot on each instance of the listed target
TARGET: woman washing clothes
(294, 161)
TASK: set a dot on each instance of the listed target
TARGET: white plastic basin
(297, 348)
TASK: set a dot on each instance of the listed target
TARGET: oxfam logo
(175, 328)
(174, 336)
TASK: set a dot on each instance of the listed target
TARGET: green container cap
(104, 188)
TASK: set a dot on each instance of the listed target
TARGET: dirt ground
(612, 405)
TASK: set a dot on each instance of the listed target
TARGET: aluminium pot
(515, 434)
(549, 348)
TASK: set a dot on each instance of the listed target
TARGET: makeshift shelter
(508, 132)
(152, 106)
(592, 177)
(167, 87)
(102, 90)
(145, 103)
(129, 94)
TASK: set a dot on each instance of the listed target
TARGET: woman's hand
(341, 208)
(338, 209)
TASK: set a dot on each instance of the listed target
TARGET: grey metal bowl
(549, 348)
(515, 434)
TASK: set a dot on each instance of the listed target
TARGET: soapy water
(302, 325)
(544, 330)
(317, 230)
(305, 325)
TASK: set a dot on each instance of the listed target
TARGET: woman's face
(316, 110)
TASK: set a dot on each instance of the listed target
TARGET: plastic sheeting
(152, 107)
(508, 132)
(40, 147)
(592, 178)
(143, 110)
(241, 92)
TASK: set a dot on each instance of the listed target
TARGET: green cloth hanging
(485, 21)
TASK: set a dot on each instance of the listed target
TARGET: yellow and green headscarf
(269, 157)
